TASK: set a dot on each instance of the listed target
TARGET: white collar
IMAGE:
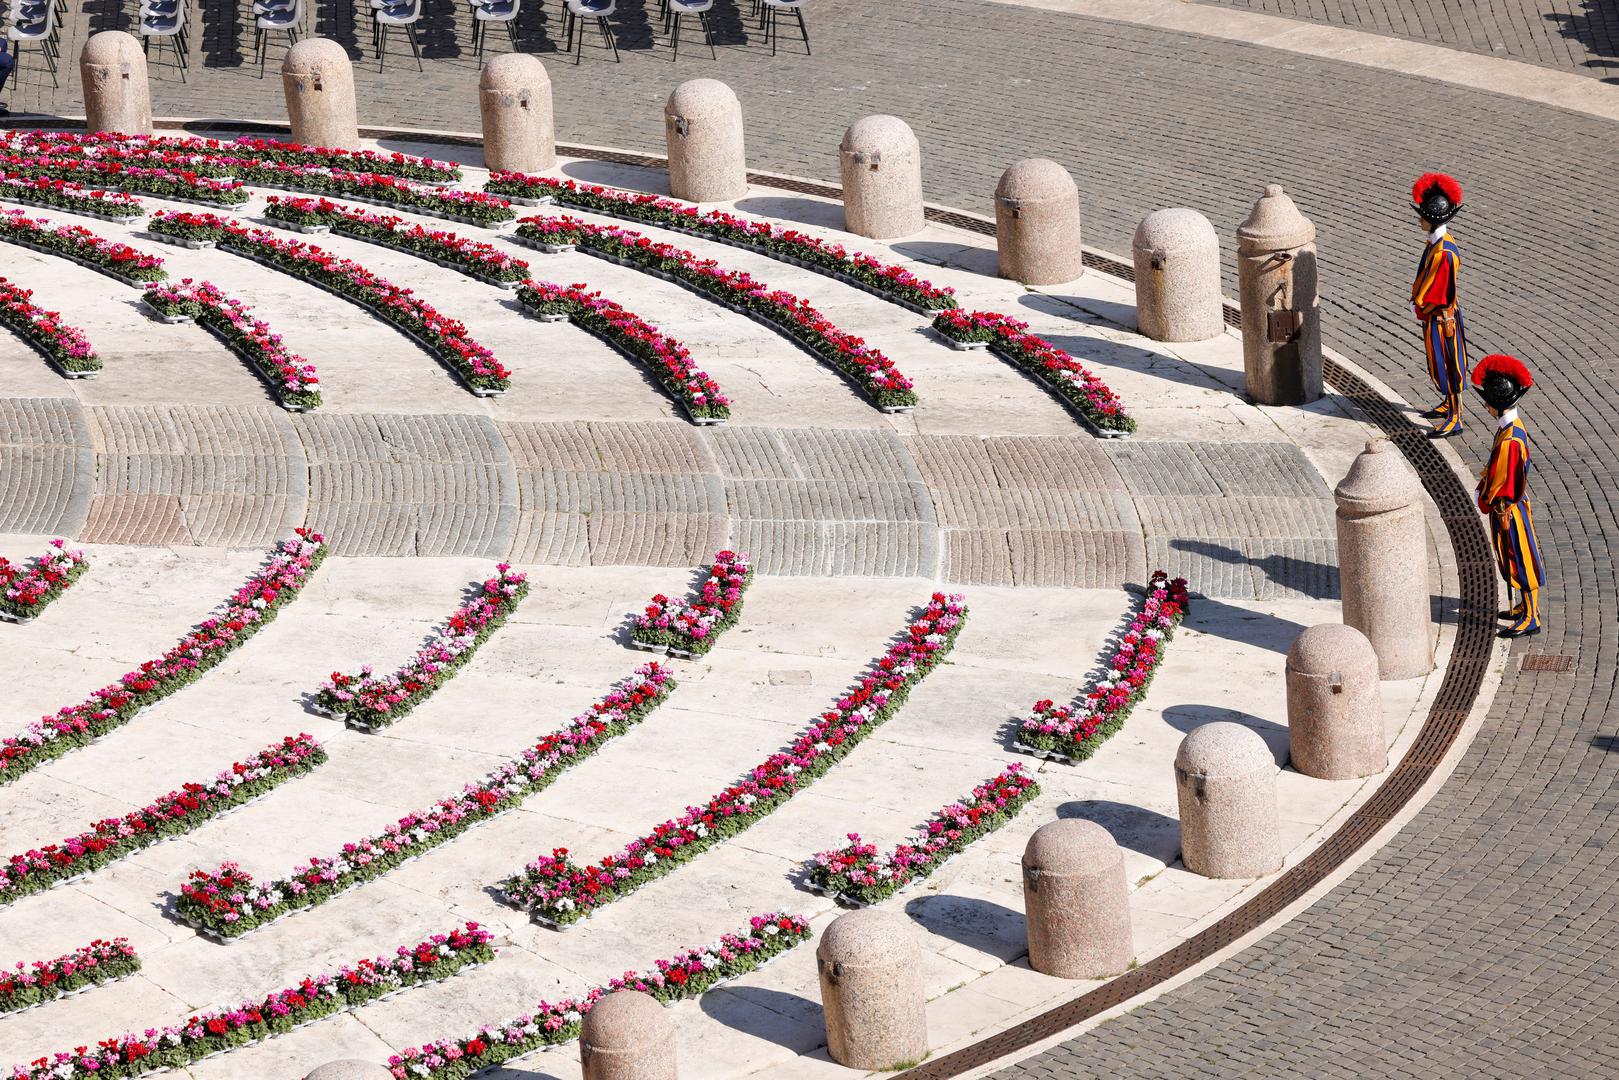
(1437, 235)
(1508, 418)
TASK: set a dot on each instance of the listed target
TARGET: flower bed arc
(86, 263)
(603, 337)
(460, 219)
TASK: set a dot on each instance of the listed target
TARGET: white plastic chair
(38, 31)
(772, 11)
(601, 11)
(405, 14)
(166, 21)
(275, 17)
(485, 12)
(699, 8)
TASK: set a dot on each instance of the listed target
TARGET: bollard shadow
(1258, 628)
(1593, 28)
(1135, 828)
(973, 259)
(1188, 718)
(1102, 352)
(826, 215)
(788, 1020)
(647, 179)
(1314, 580)
(1115, 314)
(978, 924)
(1609, 743)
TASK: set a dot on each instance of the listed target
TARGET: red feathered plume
(1501, 363)
(1447, 184)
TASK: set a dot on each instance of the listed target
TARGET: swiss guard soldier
(1503, 490)
(1437, 198)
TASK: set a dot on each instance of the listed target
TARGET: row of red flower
(65, 345)
(312, 998)
(291, 377)
(253, 605)
(24, 986)
(471, 257)
(72, 197)
(667, 359)
(689, 628)
(1073, 732)
(856, 875)
(875, 374)
(557, 891)
(25, 591)
(127, 264)
(369, 703)
(892, 282)
(38, 869)
(446, 338)
(685, 975)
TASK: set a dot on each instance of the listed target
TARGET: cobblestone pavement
(1481, 937)
(1577, 35)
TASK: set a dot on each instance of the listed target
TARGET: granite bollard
(1281, 307)
(319, 84)
(1037, 224)
(1077, 901)
(702, 124)
(1383, 559)
(627, 1035)
(1334, 704)
(1177, 259)
(1225, 782)
(870, 968)
(514, 100)
(881, 165)
(117, 98)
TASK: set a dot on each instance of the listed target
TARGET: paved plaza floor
(1480, 937)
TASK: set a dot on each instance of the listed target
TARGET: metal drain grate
(1546, 662)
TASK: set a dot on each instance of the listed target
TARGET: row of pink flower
(314, 997)
(253, 605)
(72, 197)
(81, 245)
(552, 1023)
(99, 962)
(794, 316)
(475, 207)
(893, 282)
(259, 149)
(472, 257)
(227, 903)
(669, 361)
(164, 183)
(692, 626)
(557, 891)
(1067, 377)
(370, 703)
(293, 378)
(447, 337)
(1074, 732)
(168, 815)
(66, 345)
(25, 591)
(856, 874)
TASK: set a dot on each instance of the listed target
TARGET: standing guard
(1437, 198)
(1503, 490)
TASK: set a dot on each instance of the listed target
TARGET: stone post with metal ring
(514, 100)
(881, 164)
(1281, 305)
(1037, 224)
(627, 1035)
(872, 993)
(319, 84)
(117, 98)
(1225, 783)
(1383, 559)
(1177, 259)
(1076, 900)
(1334, 704)
(702, 125)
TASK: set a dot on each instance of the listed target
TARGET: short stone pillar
(702, 124)
(627, 1035)
(1281, 307)
(1383, 559)
(881, 163)
(1077, 901)
(1334, 704)
(319, 84)
(1178, 296)
(350, 1069)
(112, 70)
(1225, 780)
(514, 98)
(871, 990)
(1037, 224)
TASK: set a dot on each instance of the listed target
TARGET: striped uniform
(1503, 493)
(1433, 294)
